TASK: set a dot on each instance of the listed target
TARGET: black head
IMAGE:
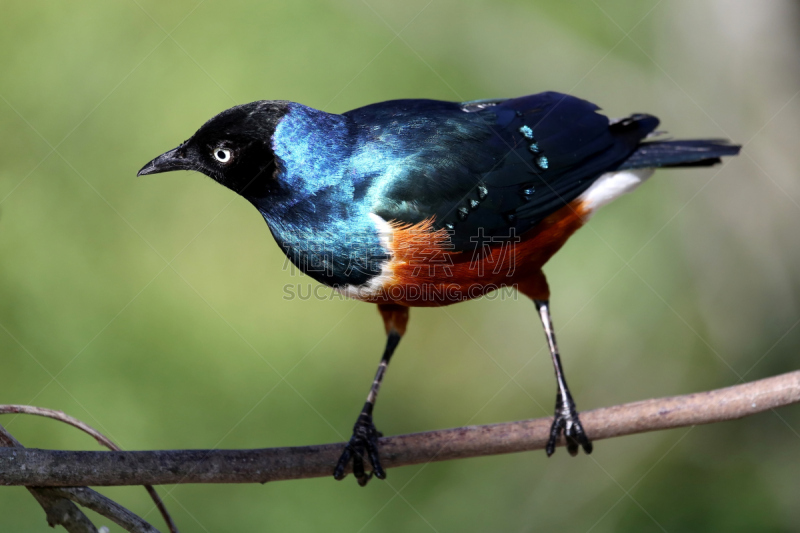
(233, 148)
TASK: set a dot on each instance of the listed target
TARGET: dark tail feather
(694, 153)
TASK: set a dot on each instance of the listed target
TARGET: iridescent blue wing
(487, 165)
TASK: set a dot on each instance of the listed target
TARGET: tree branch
(103, 441)
(59, 511)
(61, 468)
(56, 501)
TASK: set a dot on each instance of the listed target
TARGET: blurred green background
(152, 307)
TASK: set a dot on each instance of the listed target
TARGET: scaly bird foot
(566, 420)
(363, 443)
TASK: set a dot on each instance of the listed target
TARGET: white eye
(223, 155)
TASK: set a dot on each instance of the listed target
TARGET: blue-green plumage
(497, 167)
(336, 189)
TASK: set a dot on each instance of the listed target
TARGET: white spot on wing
(612, 185)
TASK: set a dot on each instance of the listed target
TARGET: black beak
(175, 159)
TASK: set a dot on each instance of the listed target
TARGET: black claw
(567, 421)
(363, 444)
(572, 446)
(358, 466)
(377, 469)
(555, 430)
(338, 472)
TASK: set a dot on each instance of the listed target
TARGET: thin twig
(62, 512)
(100, 438)
(98, 503)
(61, 417)
(61, 468)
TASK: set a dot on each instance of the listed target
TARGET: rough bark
(67, 468)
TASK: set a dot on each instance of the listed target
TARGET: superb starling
(426, 203)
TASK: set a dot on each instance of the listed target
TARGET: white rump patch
(611, 185)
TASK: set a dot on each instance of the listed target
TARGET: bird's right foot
(363, 443)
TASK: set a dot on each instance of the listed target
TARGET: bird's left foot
(567, 421)
(363, 443)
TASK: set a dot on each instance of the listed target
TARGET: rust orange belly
(424, 271)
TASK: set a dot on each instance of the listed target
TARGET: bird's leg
(364, 442)
(566, 417)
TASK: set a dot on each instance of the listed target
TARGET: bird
(426, 203)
